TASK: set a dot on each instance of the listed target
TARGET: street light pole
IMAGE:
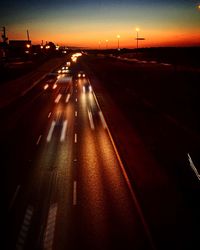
(137, 30)
(106, 44)
(118, 37)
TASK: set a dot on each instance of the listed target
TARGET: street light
(99, 45)
(137, 30)
(118, 37)
(106, 44)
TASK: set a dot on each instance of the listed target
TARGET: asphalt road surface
(66, 187)
(73, 180)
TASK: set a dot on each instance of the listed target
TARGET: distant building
(20, 47)
(19, 43)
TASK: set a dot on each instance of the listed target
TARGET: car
(81, 74)
(87, 88)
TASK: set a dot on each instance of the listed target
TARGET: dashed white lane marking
(102, 119)
(76, 113)
(152, 62)
(165, 64)
(67, 99)
(76, 90)
(75, 193)
(24, 228)
(76, 99)
(58, 98)
(51, 131)
(143, 61)
(63, 132)
(14, 197)
(49, 114)
(91, 119)
(50, 227)
(75, 138)
(38, 140)
(193, 167)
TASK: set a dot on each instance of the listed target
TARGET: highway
(66, 185)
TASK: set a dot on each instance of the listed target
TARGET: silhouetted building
(20, 47)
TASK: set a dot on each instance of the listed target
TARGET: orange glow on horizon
(127, 38)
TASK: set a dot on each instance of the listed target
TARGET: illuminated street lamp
(28, 46)
(118, 37)
(137, 38)
(106, 44)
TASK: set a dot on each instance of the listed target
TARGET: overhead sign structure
(140, 38)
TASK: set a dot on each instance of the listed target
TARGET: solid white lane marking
(24, 228)
(193, 167)
(51, 131)
(102, 119)
(49, 114)
(67, 99)
(14, 197)
(38, 140)
(75, 193)
(63, 132)
(91, 119)
(58, 98)
(76, 113)
(50, 227)
(75, 138)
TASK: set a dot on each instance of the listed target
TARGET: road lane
(49, 173)
(105, 208)
(20, 131)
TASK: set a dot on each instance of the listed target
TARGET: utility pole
(5, 39)
(28, 36)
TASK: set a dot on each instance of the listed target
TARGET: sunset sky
(86, 22)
